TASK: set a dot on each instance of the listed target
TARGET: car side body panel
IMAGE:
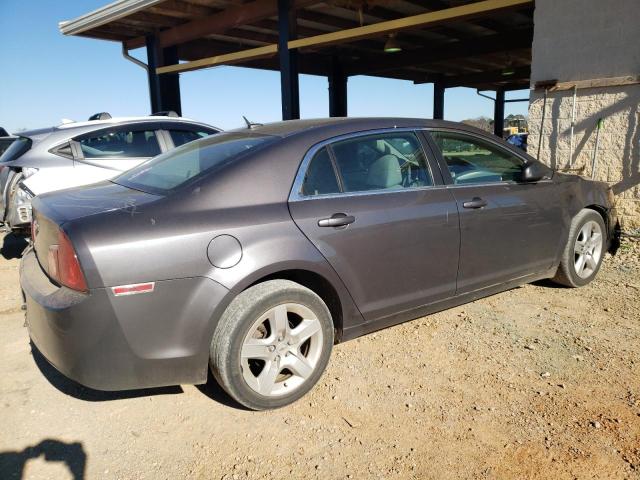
(156, 339)
(518, 232)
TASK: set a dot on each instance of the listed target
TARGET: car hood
(65, 205)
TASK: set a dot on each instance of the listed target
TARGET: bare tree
(483, 123)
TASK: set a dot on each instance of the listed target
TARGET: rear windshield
(5, 143)
(16, 149)
(173, 169)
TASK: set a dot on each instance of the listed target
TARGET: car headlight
(28, 171)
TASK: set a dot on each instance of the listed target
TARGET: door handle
(337, 220)
(475, 202)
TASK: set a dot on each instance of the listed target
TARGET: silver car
(82, 153)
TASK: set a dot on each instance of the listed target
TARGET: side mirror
(534, 172)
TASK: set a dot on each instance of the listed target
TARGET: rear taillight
(64, 266)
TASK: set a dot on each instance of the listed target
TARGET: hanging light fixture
(392, 45)
(508, 70)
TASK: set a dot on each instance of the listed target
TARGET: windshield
(190, 161)
(16, 149)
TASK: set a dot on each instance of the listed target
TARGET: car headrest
(385, 172)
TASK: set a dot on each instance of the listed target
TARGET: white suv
(81, 153)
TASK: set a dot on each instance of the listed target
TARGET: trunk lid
(52, 210)
(71, 204)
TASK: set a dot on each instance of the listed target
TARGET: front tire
(585, 249)
(272, 344)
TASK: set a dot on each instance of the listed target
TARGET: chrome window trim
(296, 190)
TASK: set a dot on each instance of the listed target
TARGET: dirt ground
(537, 382)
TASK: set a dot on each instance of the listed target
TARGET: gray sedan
(251, 253)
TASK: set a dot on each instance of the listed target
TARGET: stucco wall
(585, 39)
(588, 40)
(618, 160)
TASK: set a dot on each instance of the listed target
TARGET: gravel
(453, 395)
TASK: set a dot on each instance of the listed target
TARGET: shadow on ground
(12, 464)
(548, 283)
(74, 389)
(13, 245)
(215, 392)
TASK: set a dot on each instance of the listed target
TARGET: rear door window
(120, 143)
(320, 178)
(385, 161)
(180, 137)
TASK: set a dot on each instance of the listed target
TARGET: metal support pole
(594, 162)
(337, 90)
(544, 113)
(154, 60)
(573, 122)
(287, 30)
(170, 82)
(438, 100)
(498, 113)
(164, 90)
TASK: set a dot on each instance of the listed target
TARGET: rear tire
(585, 249)
(272, 344)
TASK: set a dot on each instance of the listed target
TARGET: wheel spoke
(256, 349)
(595, 240)
(267, 378)
(280, 322)
(590, 262)
(580, 264)
(305, 330)
(300, 366)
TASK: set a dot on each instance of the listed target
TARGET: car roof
(118, 120)
(69, 130)
(346, 125)
(111, 121)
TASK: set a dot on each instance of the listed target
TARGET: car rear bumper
(119, 343)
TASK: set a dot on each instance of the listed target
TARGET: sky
(46, 77)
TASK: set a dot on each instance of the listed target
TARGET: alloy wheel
(588, 249)
(281, 350)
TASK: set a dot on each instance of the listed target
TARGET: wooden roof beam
(218, 23)
(481, 78)
(438, 17)
(502, 42)
(471, 10)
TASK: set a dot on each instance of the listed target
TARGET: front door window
(472, 160)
